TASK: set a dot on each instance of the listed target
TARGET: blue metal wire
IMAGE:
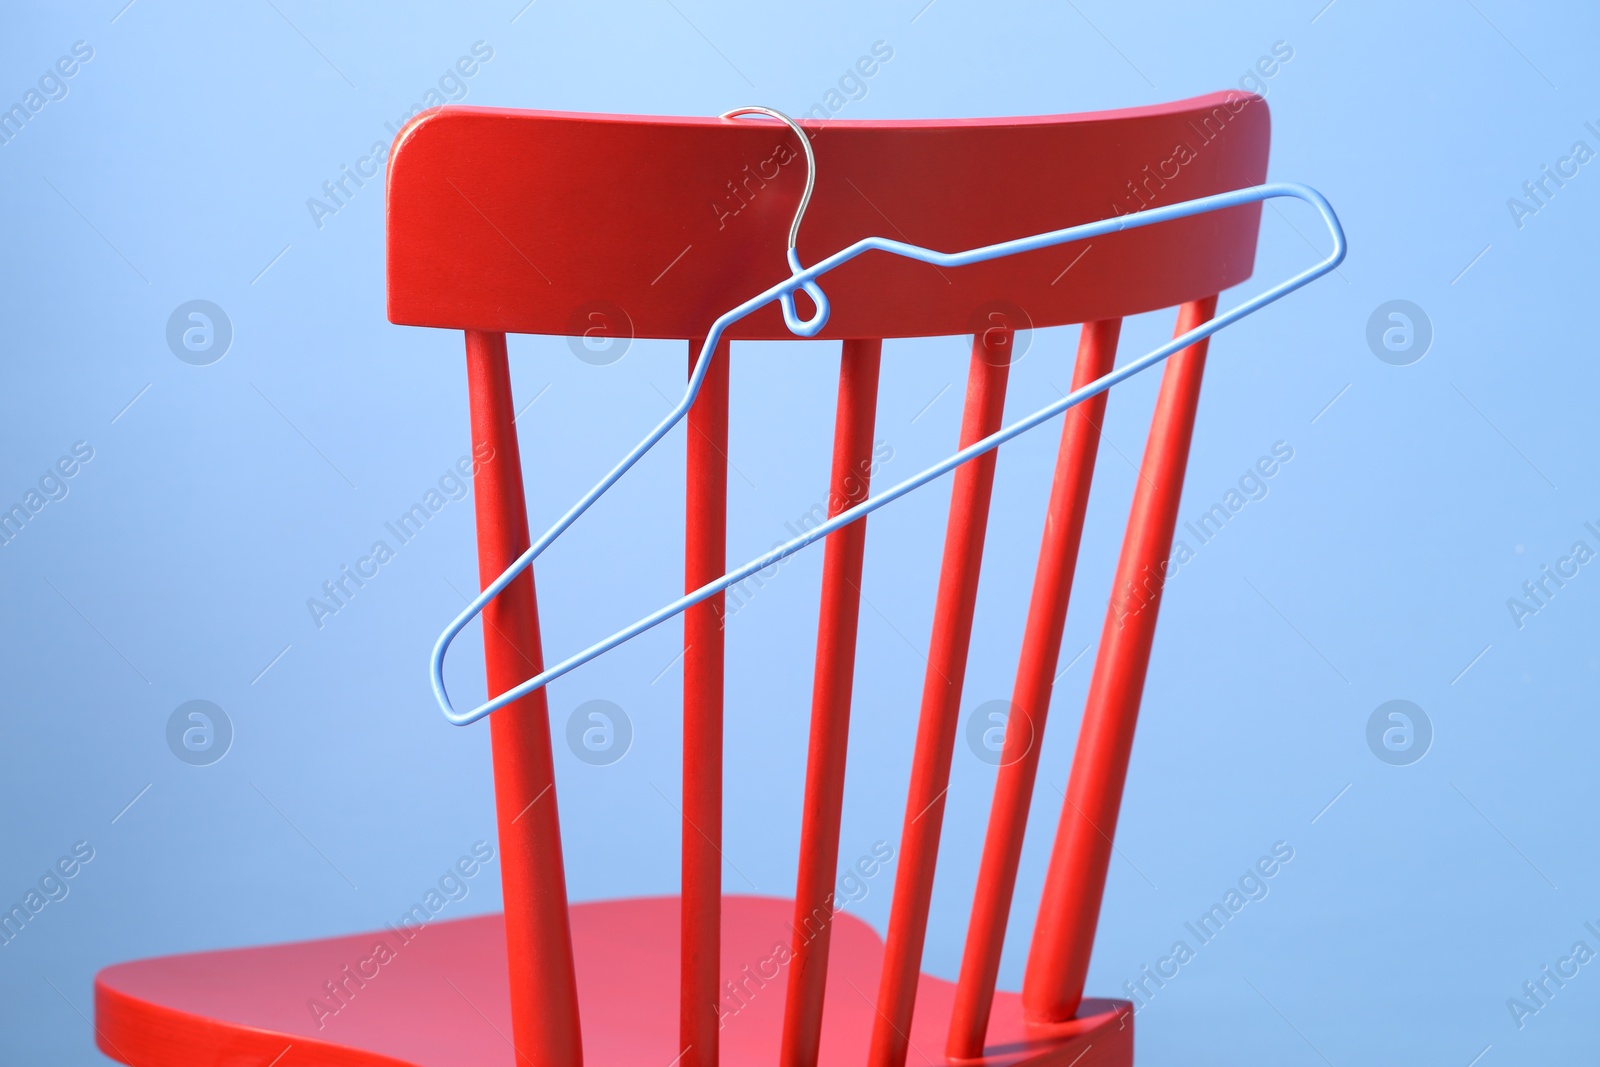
(806, 279)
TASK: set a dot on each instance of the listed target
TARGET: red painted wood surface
(1030, 698)
(442, 1000)
(532, 875)
(938, 720)
(520, 220)
(1069, 910)
(705, 558)
(833, 681)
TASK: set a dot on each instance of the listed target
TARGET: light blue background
(179, 564)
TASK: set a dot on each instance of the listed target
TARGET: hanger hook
(811, 160)
(801, 327)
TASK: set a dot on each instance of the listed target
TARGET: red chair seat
(441, 998)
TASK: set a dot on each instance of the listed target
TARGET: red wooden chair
(497, 223)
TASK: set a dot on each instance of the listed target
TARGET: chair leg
(941, 699)
(544, 994)
(830, 705)
(1030, 701)
(1063, 935)
(705, 539)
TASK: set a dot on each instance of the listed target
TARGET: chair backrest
(538, 222)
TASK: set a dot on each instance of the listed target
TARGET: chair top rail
(529, 221)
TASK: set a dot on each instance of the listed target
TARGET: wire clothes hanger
(805, 278)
